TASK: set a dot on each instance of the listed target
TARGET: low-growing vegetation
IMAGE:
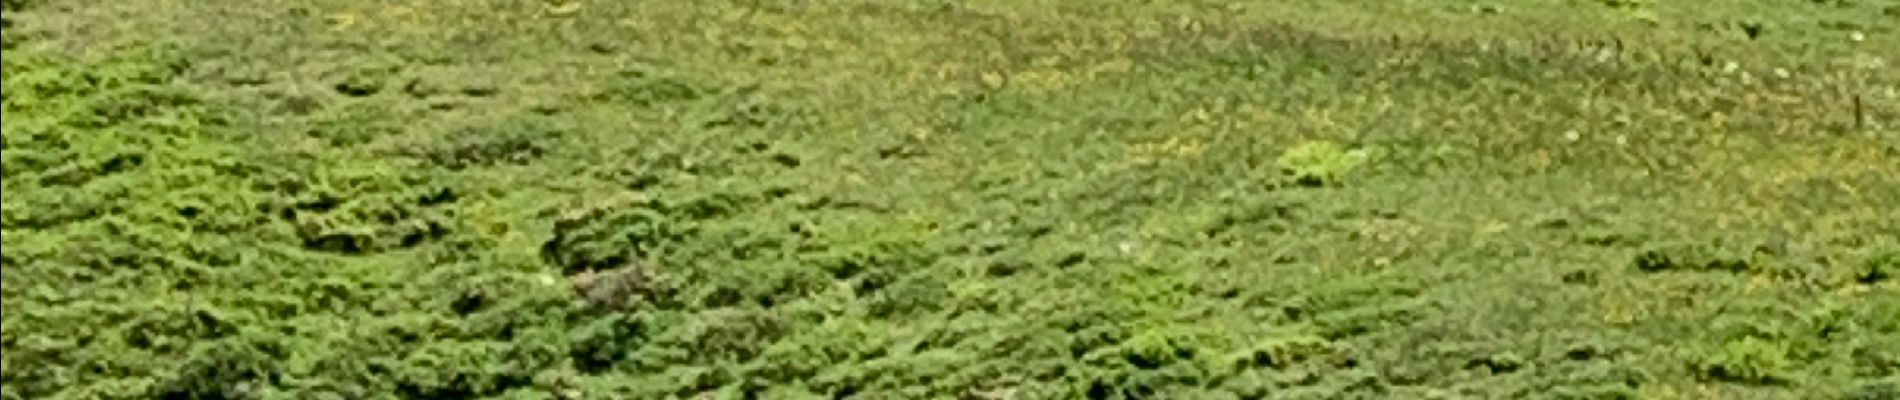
(975, 199)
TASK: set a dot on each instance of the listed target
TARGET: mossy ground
(951, 199)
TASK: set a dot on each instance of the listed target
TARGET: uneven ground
(982, 199)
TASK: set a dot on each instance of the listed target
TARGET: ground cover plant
(585, 199)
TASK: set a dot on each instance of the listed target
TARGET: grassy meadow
(951, 199)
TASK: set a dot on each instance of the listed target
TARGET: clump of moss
(1749, 360)
(1321, 163)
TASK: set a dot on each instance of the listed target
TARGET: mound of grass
(1321, 162)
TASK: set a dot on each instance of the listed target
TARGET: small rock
(612, 288)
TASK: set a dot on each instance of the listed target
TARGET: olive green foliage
(976, 199)
(1321, 162)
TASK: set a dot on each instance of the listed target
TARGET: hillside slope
(571, 199)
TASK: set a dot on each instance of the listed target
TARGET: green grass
(951, 199)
